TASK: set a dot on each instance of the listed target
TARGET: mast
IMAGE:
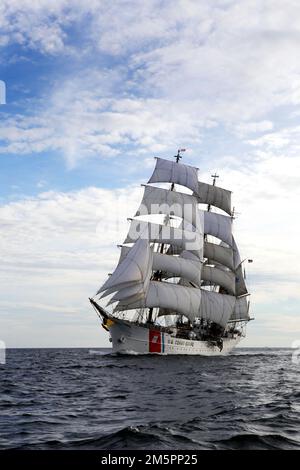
(214, 177)
(156, 276)
(178, 158)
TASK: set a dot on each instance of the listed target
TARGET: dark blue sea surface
(90, 399)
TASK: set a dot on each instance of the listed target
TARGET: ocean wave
(138, 437)
(69, 399)
(257, 442)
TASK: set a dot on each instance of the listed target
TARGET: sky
(94, 91)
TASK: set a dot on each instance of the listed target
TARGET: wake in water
(98, 352)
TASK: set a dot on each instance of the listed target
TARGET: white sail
(241, 309)
(215, 196)
(163, 201)
(236, 254)
(188, 301)
(217, 307)
(179, 267)
(219, 277)
(177, 250)
(124, 250)
(183, 300)
(187, 265)
(171, 172)
(165, 234)
(219, 254)
(219, 226)
(240, 286)
(131, 293)
(134, 269)
(216, 253)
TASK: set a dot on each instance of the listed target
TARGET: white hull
(129, 338)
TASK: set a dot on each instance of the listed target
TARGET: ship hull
(130, 338)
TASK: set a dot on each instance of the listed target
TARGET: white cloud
(188, 65)
(291, 324)
(253, 127)
(83, 118)
(266, 196)
(37, 25)
(61, 309)
(285, 139)
(234, 61)
(56, 249)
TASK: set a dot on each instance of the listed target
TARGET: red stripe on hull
(154, 341)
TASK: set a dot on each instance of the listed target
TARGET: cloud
(62, 239)
(36, 25)
(291, 324)
(246, 128)
(85, 118)
(150, 75)
(285, 139)
(225, 53)
(62, 309)
(56, 250)
(266, 197)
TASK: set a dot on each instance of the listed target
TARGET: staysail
(133, 271)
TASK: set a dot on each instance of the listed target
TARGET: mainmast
(214, 177)
(156, 276)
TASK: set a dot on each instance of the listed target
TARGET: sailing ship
(179, 286)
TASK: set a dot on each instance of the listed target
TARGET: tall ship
(179, 285)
